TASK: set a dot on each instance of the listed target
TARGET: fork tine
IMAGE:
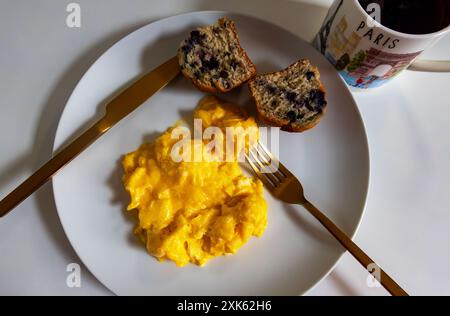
(260, 175)
(274, 170)
(263, 168)
(281, 167)
(265, 160)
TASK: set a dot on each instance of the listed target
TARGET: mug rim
(397, 33)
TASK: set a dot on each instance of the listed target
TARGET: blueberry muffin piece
(213, 58)
(293, 98)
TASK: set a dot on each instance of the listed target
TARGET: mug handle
(431, 65)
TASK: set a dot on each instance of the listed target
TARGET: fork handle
(389, 284)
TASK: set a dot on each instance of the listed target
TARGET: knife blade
(118, 108)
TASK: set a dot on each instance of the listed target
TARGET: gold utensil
(122, 105)
(286, 187)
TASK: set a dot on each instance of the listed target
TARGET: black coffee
(413, 16)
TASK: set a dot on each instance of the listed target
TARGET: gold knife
(122, 105)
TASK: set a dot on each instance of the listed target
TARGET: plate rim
(56, 147)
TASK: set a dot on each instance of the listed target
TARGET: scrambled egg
(194, 211)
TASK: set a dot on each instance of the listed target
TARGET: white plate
(293, 254)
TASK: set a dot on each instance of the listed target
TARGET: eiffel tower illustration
(326, 28)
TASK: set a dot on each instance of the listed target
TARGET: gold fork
(287, 188)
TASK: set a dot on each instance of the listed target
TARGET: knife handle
(44, 173)
(119, 107)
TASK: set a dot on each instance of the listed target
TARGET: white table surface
(406, 227)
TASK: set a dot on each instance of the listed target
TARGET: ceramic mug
(368, 54)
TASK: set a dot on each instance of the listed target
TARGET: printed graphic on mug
(364, 68)
(366, 53)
